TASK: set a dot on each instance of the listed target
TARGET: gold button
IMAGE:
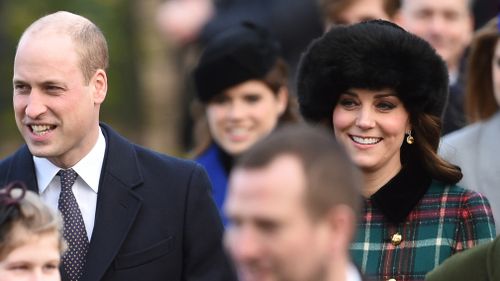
(396, 240)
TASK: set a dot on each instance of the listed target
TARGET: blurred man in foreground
(292, 205)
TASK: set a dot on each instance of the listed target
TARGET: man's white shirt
(85, 187)
(353, 273)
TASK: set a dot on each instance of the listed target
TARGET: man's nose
(35, 105)
(245, 246)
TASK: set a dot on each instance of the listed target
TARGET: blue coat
(217, 174)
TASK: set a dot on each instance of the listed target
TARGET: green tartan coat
(405, 232)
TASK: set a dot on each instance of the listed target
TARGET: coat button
(396, 239)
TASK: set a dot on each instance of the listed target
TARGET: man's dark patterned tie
(74, 228)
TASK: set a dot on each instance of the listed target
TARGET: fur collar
(398, 197)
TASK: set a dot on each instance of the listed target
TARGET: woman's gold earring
(409, 138)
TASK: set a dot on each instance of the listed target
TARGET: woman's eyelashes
(352, 103)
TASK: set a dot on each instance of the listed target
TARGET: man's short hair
(90, 42)
(331, 177)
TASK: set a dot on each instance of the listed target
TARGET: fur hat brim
(371, 55)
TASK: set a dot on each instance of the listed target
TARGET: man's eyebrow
(43, 83)
(50, 82)
(18, 81)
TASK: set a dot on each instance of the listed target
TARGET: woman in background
(241, 80)
(30, 236)
(475, 148)
(382, 91)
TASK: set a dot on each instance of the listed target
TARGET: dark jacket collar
(120, 150)
(117, 203)
(398, 197)
(21, 165)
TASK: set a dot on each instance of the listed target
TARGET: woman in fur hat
(241, 81)
(382, 91)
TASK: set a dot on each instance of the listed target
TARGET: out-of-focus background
(153, 46)
(143, 95)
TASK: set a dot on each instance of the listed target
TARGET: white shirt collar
(88, 168)
(452, 77)
(353, 273)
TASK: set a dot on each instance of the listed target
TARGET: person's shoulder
(5, 165)
(144, 153)
(467, 265)
(119, 145)
(462, 136)
(7, 160)
(455, 146)
(439, 187)
(493, 256)
(455, 193)
(22, 151)
(468, 135)
(16, 156)
(458, 191)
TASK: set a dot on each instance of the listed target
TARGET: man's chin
(255, 276)
(42, 151)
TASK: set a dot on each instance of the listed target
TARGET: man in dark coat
(139, 215)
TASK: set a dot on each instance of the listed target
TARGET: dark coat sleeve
(479, 264)
(205, 257)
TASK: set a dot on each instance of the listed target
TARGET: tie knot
(68, 178)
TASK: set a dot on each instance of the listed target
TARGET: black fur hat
(371, 55)
(241, 53)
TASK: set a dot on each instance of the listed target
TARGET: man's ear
(470, 28)
(99, 84)
(397, 18)
(342, 221)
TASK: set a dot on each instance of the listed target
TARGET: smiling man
(292, 206)
(129, 213)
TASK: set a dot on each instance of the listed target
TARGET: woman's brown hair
(426, 129)
(480, 102)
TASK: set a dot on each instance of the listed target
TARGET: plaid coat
(408, 237)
